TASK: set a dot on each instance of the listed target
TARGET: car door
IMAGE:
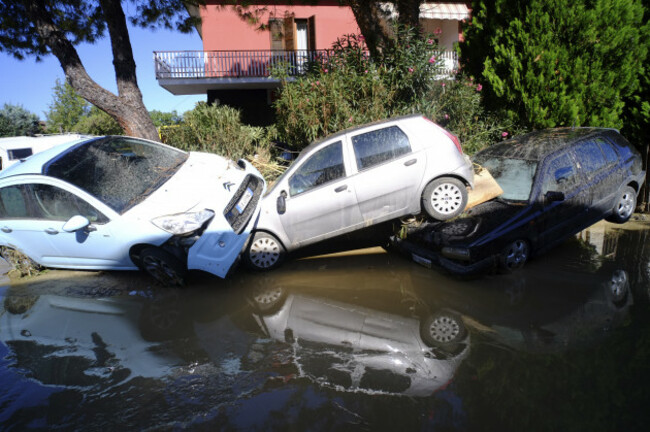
(560, 215)
(47, 242)
(602, 173)
(388, 175)
(320, 202)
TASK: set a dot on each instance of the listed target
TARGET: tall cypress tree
(548, 63)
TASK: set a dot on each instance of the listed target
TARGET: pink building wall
(224, 28)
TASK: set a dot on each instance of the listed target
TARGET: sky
(30, 84)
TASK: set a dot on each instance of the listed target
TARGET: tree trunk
(372, 24)
(127, 108)
(409, 13)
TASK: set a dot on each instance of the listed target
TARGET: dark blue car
(555, 183)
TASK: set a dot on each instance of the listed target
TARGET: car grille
(237, 216)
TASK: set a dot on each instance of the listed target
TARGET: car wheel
(265, 252)
(444, 198)
(268, 299)
(618, 287)
(163, 266)
(514, 256)
(624, 207)
(442, 329)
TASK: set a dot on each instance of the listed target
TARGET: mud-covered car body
(119, 203)
(556, 182)
(360, 177)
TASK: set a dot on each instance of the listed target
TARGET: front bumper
(219, 247)
(430, 258)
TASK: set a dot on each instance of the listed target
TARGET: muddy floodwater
(362, 340)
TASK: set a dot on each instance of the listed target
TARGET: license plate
(244, 200)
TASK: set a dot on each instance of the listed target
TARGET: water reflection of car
(555, 183)
(348, 346)
(119, 203)
(361, 177)
(81, 341)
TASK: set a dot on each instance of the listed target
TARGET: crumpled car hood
(472, 225)
(198, 184)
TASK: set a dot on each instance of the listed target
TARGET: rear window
(378, 146)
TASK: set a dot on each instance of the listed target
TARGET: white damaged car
(122, 203)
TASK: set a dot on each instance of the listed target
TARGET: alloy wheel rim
(625, 205)
(517, 254)
(264, 252)
(161, 271)
(446, 198)
(268, 296)
(444, 329)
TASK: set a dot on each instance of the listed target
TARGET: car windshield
(515, 176)
(119, 171)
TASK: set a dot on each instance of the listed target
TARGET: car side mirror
(282, 203)
(76, 223)
(553, 196)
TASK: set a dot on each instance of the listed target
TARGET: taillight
(451, 136)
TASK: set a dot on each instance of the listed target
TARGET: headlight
(458, 253)
(183, 223)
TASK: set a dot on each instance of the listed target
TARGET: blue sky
(30, 84)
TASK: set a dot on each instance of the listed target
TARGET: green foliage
(549, 63)
(66, 110)
(17, 121)
(219, 129)
(349, 88)
(97, 122)
(165, 118)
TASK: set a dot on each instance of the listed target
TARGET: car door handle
(6, 229)
(341, 188)
(410, 162)
(51, 231)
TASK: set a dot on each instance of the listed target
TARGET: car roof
(539, 144)
(34, 164)
(352, 129)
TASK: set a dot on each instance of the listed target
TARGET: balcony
(196, 72)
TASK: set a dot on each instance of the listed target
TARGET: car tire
(163, 266)
(624, 206)
(268, 299)
(514, 256)
(444, 198)
(265, 252)
(442, 329)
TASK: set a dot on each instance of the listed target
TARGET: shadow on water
(359, 340)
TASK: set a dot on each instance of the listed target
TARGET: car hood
(203, 181)
(474, 223)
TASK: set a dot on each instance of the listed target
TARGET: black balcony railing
(247, 64)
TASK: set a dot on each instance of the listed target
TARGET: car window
(13, 204)
(590, 157)
(560, 175)
(119, 171)
(381, 145)
(322, 167)
(515, 176)
(54, 203)
(16, 154)
(610, 154)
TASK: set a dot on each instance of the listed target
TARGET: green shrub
(347, 88)
(218, 129)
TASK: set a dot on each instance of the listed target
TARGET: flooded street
(365, 340)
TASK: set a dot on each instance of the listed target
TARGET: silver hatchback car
(360, 177)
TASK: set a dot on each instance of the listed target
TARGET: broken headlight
(183, 223)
